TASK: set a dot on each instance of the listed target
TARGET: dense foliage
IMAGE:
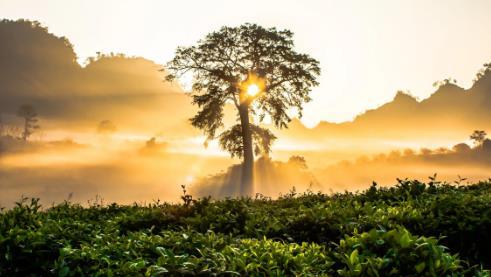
(411, 229)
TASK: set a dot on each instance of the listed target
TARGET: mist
(126, 173)
(151, 149)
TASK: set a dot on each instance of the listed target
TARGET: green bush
(432, 230)
(395, 253)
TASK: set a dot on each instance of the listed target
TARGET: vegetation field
(411, 229)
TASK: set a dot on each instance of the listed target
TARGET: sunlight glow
(252, 86)
(252, 90)
(189, 179)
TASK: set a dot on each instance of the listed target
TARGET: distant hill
(450, 113)
(39, 68)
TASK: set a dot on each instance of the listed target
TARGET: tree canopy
(257, 70)
(478, 136)
(225, 59)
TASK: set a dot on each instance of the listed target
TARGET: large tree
(256, 70)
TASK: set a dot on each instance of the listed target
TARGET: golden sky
(367, 49)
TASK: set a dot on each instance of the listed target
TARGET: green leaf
(353, 258)
(420, 267)
(64, 271)
(405, 240)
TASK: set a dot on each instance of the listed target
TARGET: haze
(367, 50)
(111, 127)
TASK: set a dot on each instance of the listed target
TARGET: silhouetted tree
(256, 70)
(394, 155)
(152, 146)
(445, 82)
(478, 137)
(486, 144)
(29, 115)
(2, 127)
(151, 143)
(441, 150)
(106, 127)
(408, 152)
(426, 151)
(298, 161)
(481, 73)
(461, 148)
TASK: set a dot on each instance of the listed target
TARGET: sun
(253, 89)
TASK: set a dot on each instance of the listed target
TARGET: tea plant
(411, 229)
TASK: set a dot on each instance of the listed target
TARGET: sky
(367, 49)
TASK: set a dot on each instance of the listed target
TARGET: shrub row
(307, 234)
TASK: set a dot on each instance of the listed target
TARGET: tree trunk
(247, 179)
(26, 126)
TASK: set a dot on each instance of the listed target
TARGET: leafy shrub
(297, 234)
(395, 253)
